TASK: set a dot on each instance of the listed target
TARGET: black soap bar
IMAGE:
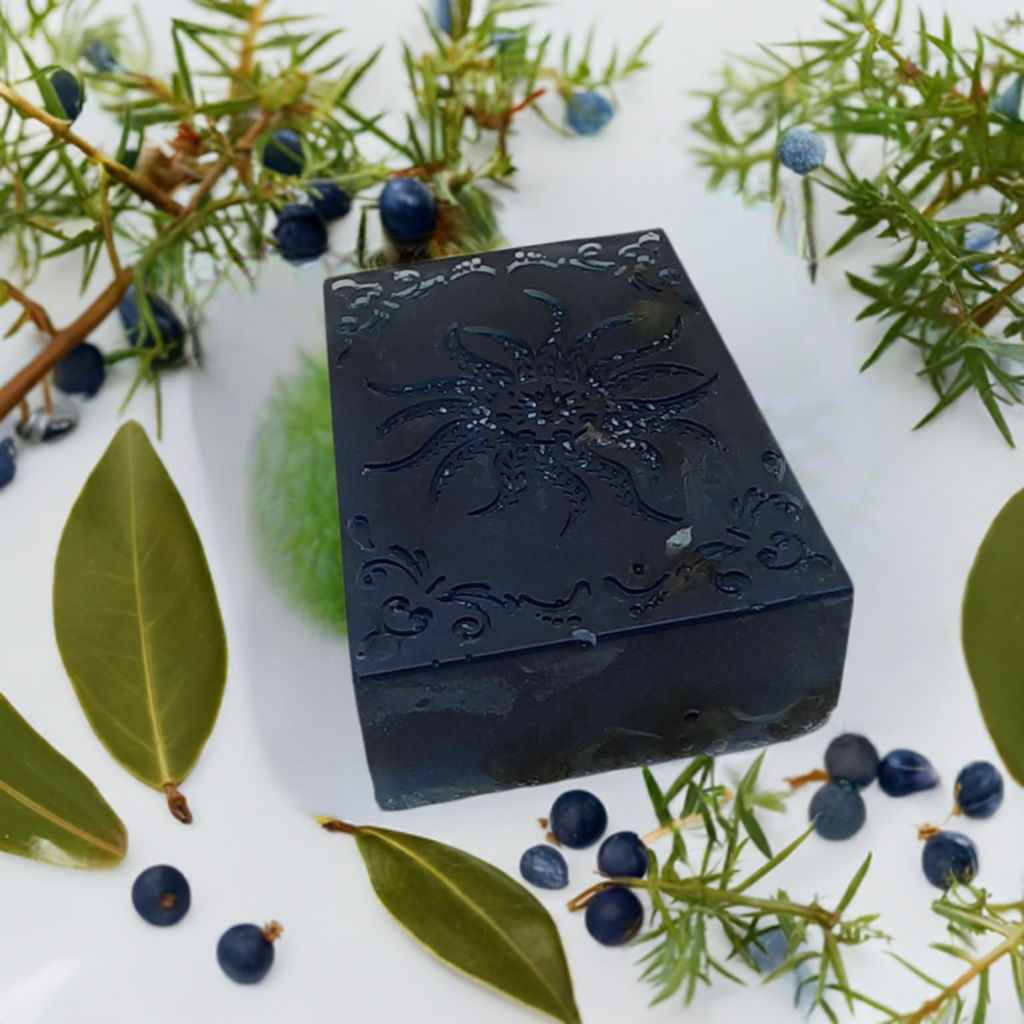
(571, 542)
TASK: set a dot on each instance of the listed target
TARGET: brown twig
(35, 312)
(796, 781)
(218, 168)
(993, 306)
(146, 189)
(979, 966)
(249, 42)
(62, 342)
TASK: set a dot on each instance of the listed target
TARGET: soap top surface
(551, 445)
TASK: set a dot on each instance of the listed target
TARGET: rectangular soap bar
(571, 542)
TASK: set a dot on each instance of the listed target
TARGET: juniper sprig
(926, 140)
(257, 113)
(185, 178)
(696, 895)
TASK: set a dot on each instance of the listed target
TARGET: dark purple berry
(8, 461)
(69, 92)
(301, 234)
(43, 426)
(81, 371)
(100, 56)
(161, 895)
(614, 916)
(588, 112)
(979, 790)
(1008, 103)
(770, 950)
(140, 334)
(407, 211)
(283, 153)
(544, 867)
(852, 758)
(578, 819)
(902, 772)
(949, 857)
(246, 952)
(838, 811)
(443, 13)
(329, 200)
(623, 855)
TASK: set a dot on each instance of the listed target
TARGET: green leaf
(473, 916)
(137, 619)
(993, 632)
(50, 810)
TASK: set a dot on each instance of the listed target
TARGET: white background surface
(906, 511)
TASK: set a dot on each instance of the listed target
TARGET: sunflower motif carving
(570, 412)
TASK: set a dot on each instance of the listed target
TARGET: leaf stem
(247, 61)
(691, 819)
(33, 310)
(818, 775)
(177, 803)
(329, 824)
(979, 966)
(695, 891)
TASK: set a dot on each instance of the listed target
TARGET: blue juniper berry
(283, 153)
(301, 234)
(81, 371)
(8, 462)
(69, 92)
(903, 772)
(407, 211)
(979, 790)
(588, 112)
(949, 857)
(544, 867)
(801, 150)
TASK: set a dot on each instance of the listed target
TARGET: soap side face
(544, 453)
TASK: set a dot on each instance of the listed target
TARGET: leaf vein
(507, 939)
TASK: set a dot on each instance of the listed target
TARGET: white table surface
(905, 510)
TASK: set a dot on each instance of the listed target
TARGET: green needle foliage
(468, 91)
(240, 76)
(295, 498)
(693, 898)
(969, 915)
(703, 898)
(926, 142)
(187, 177)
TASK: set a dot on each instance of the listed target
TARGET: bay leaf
(49, 810)
(473, 916)
(137, 619)
(993, 632)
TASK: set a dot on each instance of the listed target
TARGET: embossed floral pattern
(568, 412)
(415, 600)
(762, 535)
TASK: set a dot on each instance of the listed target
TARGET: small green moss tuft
(294, 496)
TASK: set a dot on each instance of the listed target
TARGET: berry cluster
(245, 952)
(838, 811)
(577, 820)
(158, 336)
(301, 231)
